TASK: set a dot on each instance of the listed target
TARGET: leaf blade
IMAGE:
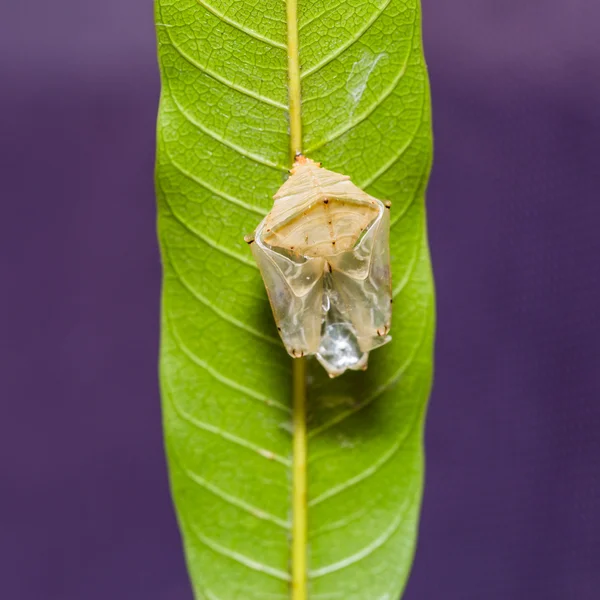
(222, 148)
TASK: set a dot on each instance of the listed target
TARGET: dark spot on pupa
(326, 201)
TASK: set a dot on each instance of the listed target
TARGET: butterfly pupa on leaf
(323, 253)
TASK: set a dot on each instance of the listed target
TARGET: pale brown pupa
(323, 252)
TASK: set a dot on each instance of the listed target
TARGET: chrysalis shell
(323, 252)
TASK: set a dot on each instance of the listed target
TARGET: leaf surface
(223, 151)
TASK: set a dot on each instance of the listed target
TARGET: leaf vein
(368, 112)
(343, 47)
(207, 240)
(230, 84)
(239, 27)
(234, 385)
(344, 521)
(215, 191)
(379, 391)
(363, 475)
(377, 543)
(241, 559)
(316, 17)
(387, 166)
(234, 439)
(417, 194)
(239, 149)
(233, 500)
(221, 313)
(411, 269)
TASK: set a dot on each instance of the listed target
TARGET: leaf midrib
(299, 549)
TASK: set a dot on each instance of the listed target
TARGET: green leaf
(223, 151)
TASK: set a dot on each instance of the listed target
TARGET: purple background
(512, 503)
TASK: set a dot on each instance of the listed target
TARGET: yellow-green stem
(299, 512)
(294, 79)
(299, 508)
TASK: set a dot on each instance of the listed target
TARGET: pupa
(323, 253)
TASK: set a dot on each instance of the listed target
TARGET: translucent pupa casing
(323, 252)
